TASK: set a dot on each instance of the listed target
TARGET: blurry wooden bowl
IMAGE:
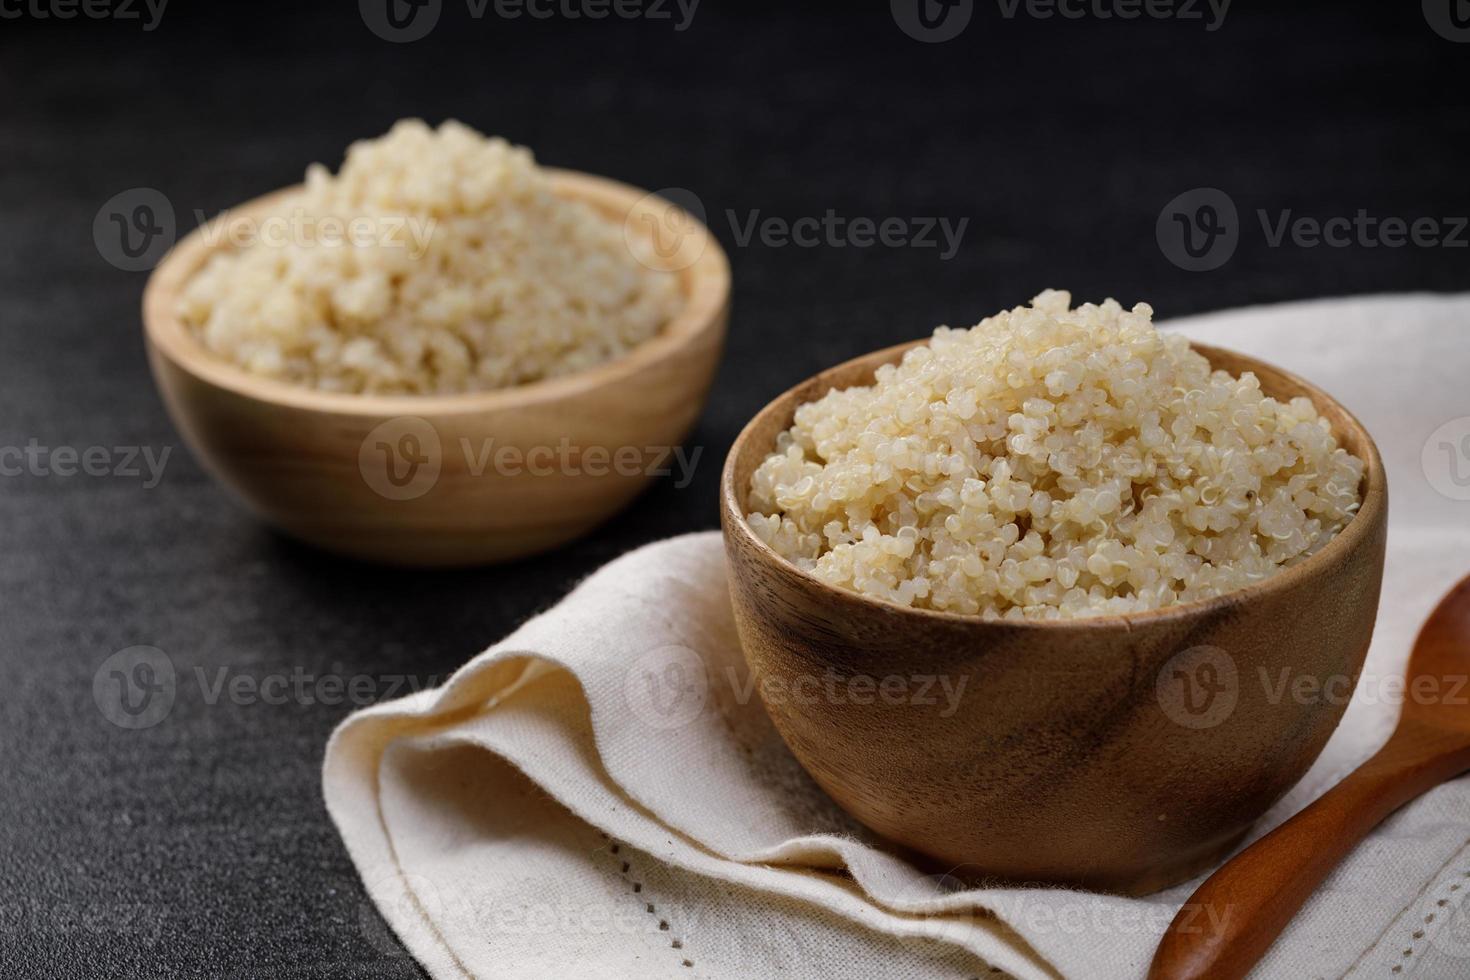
(1084, 752)
(388, 478)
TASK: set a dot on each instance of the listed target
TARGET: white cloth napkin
(601, 795)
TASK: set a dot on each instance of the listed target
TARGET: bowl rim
(1371, 514)
(705, 283)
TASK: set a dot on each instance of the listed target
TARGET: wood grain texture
(296, 456)
(1061, 763)
(1253, 897)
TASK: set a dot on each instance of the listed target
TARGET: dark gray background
(200, 847)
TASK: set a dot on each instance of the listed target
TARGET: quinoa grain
(510, 283)
(1052, 463)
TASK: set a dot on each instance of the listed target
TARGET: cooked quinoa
(461, 271)
(1051, 463)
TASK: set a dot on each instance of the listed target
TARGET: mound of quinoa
(464, 272)
(1052, 463)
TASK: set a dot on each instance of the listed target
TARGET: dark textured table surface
(199, 846)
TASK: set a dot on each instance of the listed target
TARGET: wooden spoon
(1254, 895)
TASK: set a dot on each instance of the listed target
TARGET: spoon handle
(1233, 918)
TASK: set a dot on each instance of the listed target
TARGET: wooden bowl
(456, 479)
(1088, 752)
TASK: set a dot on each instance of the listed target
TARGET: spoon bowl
(1441, 657)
